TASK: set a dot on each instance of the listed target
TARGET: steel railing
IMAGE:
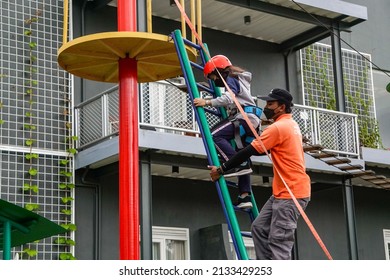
(164, 107)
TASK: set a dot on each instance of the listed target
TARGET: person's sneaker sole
(239, 173)
(244, 205)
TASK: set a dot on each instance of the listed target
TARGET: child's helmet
(218, 61)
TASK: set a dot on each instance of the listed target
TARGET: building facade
(180, 210)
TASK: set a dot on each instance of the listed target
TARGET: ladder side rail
(209, 146)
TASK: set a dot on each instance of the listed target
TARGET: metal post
(340, 103)
(349, 209)
(338, 68)
(6, 240)
(146, 208)
(128, 141)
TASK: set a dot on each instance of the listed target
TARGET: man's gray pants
(273, 229)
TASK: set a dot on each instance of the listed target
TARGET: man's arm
(236, 160)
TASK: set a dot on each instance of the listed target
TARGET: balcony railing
(166, 108)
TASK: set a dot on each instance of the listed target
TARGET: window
(386, 237)
(250, 247)
(171, 243)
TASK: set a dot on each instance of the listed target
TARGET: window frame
(161, 234)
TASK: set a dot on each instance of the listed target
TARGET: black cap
(278, 94)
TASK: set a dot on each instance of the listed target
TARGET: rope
(301, 211)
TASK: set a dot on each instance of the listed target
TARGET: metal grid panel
(14, 175)
(35, 104)
(319, 90)
(318, 80)
(50, 92)
(358, 84)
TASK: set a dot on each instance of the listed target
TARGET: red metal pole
(128, 142)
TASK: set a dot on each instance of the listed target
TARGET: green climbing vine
(30, 185)
(67, 184)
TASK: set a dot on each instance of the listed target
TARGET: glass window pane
(175, 250)
(156, 251)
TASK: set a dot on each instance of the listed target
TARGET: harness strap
(253, 110)
(237, 133)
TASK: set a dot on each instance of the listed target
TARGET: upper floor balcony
(164, 107)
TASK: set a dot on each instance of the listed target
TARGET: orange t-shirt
(283, 139)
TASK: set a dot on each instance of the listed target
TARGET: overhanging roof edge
(338, 6)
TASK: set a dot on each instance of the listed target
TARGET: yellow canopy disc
(95, 57)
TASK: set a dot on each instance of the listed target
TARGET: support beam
(349, 210)
(146, 216)
(338, 68)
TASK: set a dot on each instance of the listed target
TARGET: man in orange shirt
(273, 230)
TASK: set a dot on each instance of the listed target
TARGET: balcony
(164, 107)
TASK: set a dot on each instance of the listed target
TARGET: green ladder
(212, 156)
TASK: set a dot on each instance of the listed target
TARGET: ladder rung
(238, 209)
(231, 184)
(368, 177)
(350, 167)
(338, 161)
(373, 177)
(379, 182)
(362, 173)
(323, 155)
(309, 148)
(246, 233)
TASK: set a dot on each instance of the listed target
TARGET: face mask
(269, 113)
(219, 83)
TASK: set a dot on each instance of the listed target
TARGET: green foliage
(65, 241)
(69, 227)
(30, 127)
(66, 211)
(32, 206)
(33, 171)
(31, 156)
(30, 252)
(72, 151)
(29, 142)
(67, 256)
(28, 187)
(64, 161)
(66, 173)
(67, 199)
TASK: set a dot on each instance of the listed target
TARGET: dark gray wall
(373, 37)
(372, 214)
(195, 205)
